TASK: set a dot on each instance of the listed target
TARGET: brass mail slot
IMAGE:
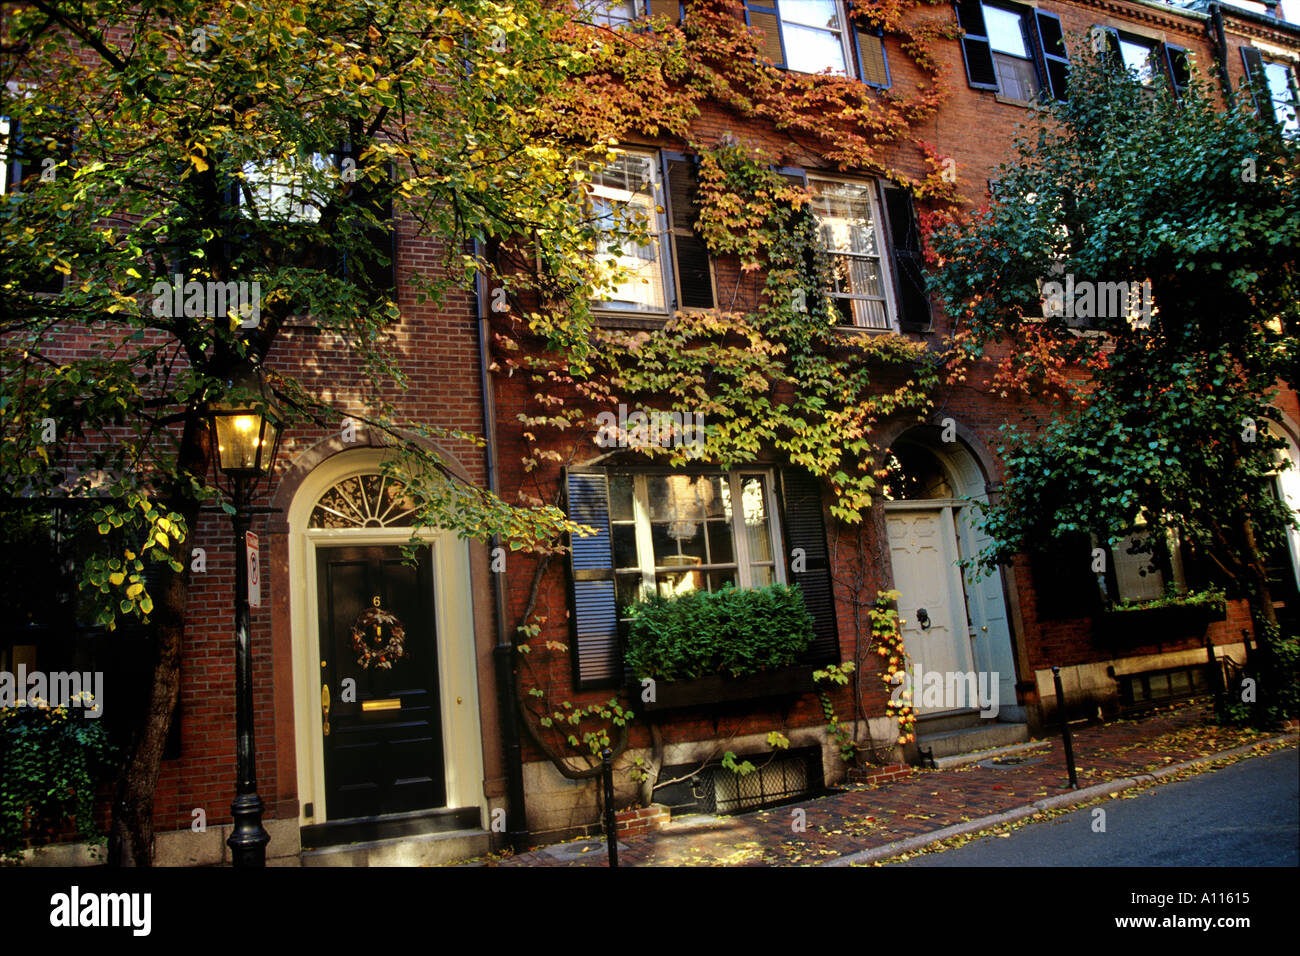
(392, 703)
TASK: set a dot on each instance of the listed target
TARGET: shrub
(731, 631)
(53, 761)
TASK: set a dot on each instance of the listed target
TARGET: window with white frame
(815, 37)
(818, 36)
(624, 195)
(673, 533)
(1013, 58)
(849, 232)
(610, 13)
(1285, 93)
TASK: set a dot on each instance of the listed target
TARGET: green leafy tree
(228, 141)
(1162, 406)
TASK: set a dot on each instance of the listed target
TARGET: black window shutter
(909, 271)
(763, 16)
(372, 266)
(1056, 61)
(1180, 69)
(1258, 82)
(869, 51)
(805, 529)
(690, 254)
(597, 656)
(975, 45)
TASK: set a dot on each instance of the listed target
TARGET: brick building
(329, 547)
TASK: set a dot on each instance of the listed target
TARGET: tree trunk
(1263, 616)
(130, 841)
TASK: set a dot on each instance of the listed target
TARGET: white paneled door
(923, 546)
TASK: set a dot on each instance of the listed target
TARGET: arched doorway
(955, 622)
(1284, 561)
(386, 701)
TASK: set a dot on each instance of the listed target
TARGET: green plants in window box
(712, 647)
(1170, 617)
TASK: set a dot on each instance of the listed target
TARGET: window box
(1160, 621)
(723, 689)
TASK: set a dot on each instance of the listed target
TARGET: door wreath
(378, 638)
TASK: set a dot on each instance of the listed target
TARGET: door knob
(325, 708)
(923, 618)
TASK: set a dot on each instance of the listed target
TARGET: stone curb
(1071, 798)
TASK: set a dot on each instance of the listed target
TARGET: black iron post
(249, 838)
(611, 827)
(1215, 675)
(1065, 727)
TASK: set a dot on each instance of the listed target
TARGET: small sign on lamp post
(254, 570)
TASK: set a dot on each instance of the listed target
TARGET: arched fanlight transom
(364, 501)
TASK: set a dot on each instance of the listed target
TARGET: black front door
(379, 683)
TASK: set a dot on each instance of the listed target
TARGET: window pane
(812, 51)
(1005, 33)
(760, 576)
(757, 528)
(717, 579)
(1284, 103)
(811, 13)
(671, 584)
(680, 497)
(721, 550)
(620, 497)
(625, 546)
(1135, 574)
(1137, 57)
(1017, 78)
(628, 590)
(868, 314)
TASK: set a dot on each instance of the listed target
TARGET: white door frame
(453, 619)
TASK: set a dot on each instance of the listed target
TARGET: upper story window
(1012, 58)
(849, 230)
(667, 266)
(817, 36)
(614, 15)
(1016, 51)
(627, 193)
(1148, 60)
(1285, 95)
(278, 190)
(1277, 95)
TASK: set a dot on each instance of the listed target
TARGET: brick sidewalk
(866, 816)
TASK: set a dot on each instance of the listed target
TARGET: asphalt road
(1247, 814)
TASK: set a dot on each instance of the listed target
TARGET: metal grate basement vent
(1139, 691)
(714, 789)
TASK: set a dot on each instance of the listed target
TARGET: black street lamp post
(246, 429)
